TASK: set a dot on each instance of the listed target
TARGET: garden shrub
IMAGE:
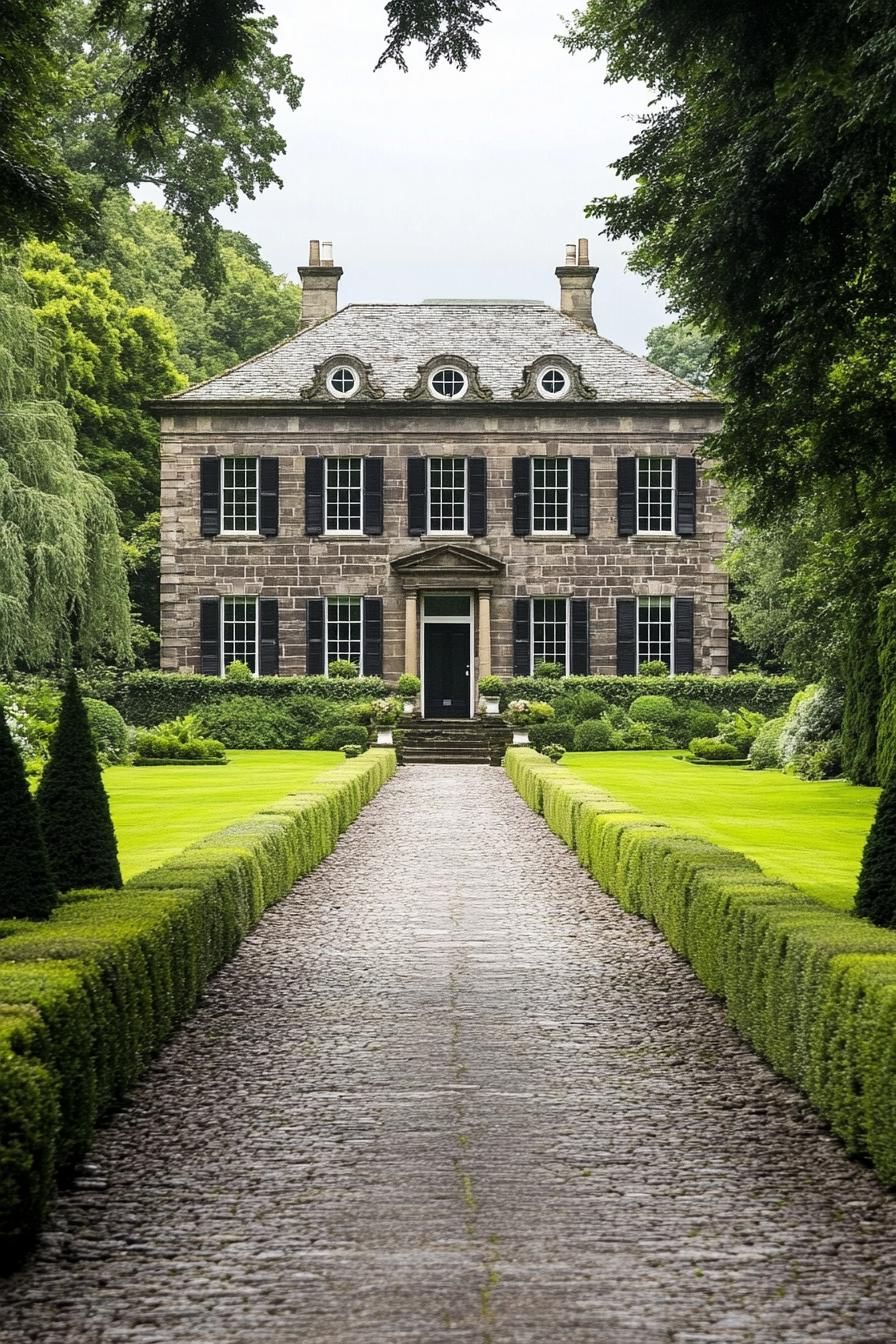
(181, 740)
(593, 735)
(548, 671)
(657, 710)
(238, 671)
(876, 895)
(336, 736)
(577, 706)
(713, 749)
(769, 695)
(885, 747)
(653, 667)
(351, 750)
(740, 729)
(343, 669)
(861, 677)
(812, 989)
(636, 736)
(88, 997)
(821, 760)
(554, 751)
(242, 724)
(765, 753)
(108, 730)
(27, 888)
(72, 804)
(146, 698)
(697, 720)
(816, 715)
(540, 734)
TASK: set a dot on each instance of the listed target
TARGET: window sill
(242, 536)
(457, 536)
(655, 536)
(344, 536)
(551, 536)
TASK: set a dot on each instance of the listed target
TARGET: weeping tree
(63, 586)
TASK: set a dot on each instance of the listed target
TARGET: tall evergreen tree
(27, 890)
(72, 803)
(876, 896)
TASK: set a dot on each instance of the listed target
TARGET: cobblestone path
(448, 1091)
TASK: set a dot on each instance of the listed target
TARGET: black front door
(446, 671)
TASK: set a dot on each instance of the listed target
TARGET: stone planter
(521, 737)
(384, 737)
(409, 706)
(492, 704)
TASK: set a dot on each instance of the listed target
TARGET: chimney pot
(320, 284)
(577, 284)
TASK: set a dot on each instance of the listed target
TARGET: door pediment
(450, 561)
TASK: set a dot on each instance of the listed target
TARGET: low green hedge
(148, 698)
(812, 989)
(768, 695)
(88, 997)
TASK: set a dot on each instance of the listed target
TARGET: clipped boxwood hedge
(740, 690)
(88, 997)
(148, 698)
(812, 989)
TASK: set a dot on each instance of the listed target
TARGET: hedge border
(812, 989)
(87, 998)
(768, 695)
(149, 698)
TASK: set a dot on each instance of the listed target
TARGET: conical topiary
(72, 803)
(876, 896)
(27, 890)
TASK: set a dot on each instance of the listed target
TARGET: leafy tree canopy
(113, 356)
(763, 204)
(103, 94)
(684, 350)
(252, 309)
(62, 578)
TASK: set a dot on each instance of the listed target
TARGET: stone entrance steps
(452, 741)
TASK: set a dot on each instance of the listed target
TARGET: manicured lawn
(157, 810)
(809, 834)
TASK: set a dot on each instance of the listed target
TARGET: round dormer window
(553, 383)
(342, 381)
(448, 384)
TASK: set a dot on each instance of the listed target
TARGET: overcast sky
(441, 184)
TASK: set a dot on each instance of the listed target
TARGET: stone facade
(495, 568)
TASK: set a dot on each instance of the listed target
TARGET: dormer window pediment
(448, 378)
(553, 378)
(342, 378)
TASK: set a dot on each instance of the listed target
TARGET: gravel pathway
(448, 1091)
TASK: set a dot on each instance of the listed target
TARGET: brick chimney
(576, 278)
(320, 284)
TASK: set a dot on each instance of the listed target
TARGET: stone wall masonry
(294, 567)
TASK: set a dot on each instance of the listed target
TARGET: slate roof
(396, 338)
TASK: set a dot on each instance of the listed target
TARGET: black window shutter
(476, 496)
(578, 637)
(314, 636)
(521, 482)
(522, 612)
(627, 496)
(684, 635)
(416, 496)
(269, 496)
(314, 496)
(685, 496)
(580, 476)
(373, 637)
(626, 636)
(268, 637)
(373, 496)
(210, 636)
(210, 496)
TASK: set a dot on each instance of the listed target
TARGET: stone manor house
(450, 488)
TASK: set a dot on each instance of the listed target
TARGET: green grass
(809, 834)
(159, 810)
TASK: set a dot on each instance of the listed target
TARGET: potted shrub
(490, 689)
(409, 689)
(521, 713)
(384, 714)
